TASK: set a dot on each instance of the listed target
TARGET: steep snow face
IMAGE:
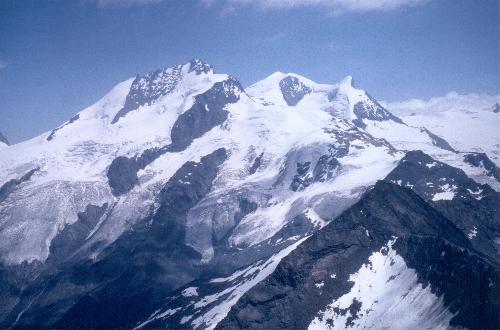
(81, 148)
(467, 122)
(72, 163)
(383, 293)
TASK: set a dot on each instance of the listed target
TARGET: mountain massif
(182, 200)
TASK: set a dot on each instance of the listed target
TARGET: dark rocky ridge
(147, 89)
(438, 141)
(373, 111)
(289, 299)
(73, 236)
(7, 188)
(256, 164)
(481, 159)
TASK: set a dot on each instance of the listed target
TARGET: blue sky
(58, 57)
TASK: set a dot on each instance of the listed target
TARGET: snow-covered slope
(375, 303)
(181, 175)
(73, 160)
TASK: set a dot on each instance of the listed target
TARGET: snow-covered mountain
(167, 201)
(468, 122)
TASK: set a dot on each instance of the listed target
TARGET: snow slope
(386, 290)
(467, 122)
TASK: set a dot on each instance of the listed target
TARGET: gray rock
(4, 139)
(293, 90)
(199, 67)
(256, 164)
(438, 141)
(481, 159)
(122, 175)
(372, 111)
(145, 90)
(54, 131)
(207, 112)
(73, 236)
(7, 188)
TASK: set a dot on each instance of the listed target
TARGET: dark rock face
(301, 180)
(206, 113)
(122, 175)
(256, 164)
(289, 298)
(427, 177)
(317, 169)
(246, 207)
(438, 141)
(474, 208)
(359, 123)
(481, 159)
(73, 236)
(7, 188)
(54, 131)
(325, 167)
(293, 90)
(496, 108)
(4, 139)
(149, 88)
(131, 275)
(199, 67)
(14, 279)
(145, 90)
(372, 111)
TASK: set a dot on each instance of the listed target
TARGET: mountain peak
(347, 81)
(3, 139)
(199, 66)
(148, 88)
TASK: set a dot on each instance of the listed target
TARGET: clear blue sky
(57, 57)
